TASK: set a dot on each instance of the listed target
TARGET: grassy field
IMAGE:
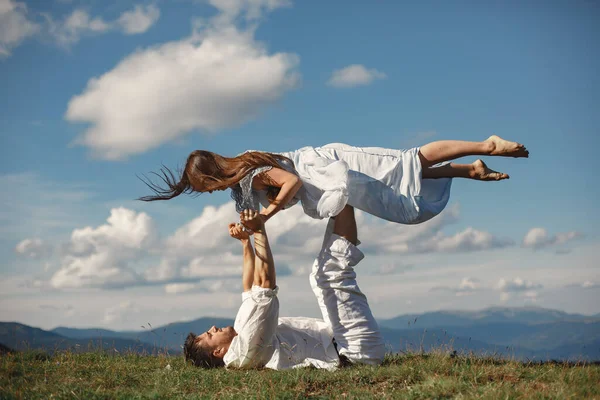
(34, 375)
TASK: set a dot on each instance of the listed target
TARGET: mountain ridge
(525, 332)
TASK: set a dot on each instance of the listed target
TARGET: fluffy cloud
(537, 238)
(392, 268)
(520, 287)
(138, 20)
(17, 25)
(14, 25)
(251, 9)
(219, 77)
(468, 240)
(517, 285)
(427, 237)
(175, 288)
(33, 248)
(467, 286)
(354, 75)
(101, 257)
(79, 23)
(121, 311)
(231, 285)
(190, 255)
(126, 251)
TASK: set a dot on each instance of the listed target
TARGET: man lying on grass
(347, 334)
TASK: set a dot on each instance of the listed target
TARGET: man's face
(217, 338)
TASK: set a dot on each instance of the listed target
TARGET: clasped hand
(251, 221)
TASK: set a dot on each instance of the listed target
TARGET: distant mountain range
(524, 333)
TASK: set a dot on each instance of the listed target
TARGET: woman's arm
(289, 185)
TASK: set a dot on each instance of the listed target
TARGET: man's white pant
(342, 304)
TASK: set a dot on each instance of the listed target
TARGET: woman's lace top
(243, 194)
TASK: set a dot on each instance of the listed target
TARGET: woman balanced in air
(404, 186)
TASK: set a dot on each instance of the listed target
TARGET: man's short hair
(199, 355)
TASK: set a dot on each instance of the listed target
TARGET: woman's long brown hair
(206, 171)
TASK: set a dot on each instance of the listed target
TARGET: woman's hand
(238, 232)
(252, 220)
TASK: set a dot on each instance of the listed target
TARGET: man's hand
(237, 231)
(252, 220)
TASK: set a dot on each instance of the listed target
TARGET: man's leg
(342, 303)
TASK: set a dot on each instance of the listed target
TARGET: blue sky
(95, 92)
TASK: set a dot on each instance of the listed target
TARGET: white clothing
(342, 303)
(264, 340)
(281, 343)
(383, 182)
(255, 324)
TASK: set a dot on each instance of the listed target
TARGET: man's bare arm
(264, 266)
(237, 231)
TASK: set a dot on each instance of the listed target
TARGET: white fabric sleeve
(255, 325)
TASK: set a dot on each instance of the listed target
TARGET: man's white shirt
(265, 340)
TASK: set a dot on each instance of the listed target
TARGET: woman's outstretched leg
(445, 150)
(477, 170)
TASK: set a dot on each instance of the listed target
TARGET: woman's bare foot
(504, 148)
(481, 172)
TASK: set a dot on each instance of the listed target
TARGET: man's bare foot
(481, 172)
(504, 148)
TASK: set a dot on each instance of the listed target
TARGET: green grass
(33, 375)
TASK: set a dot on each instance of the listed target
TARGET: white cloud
(76, 24)
(392, 268)
(219, 77)
(79, 23)
(354, 75)
(175, 288)
(388, 295)
(201, 251)
(522, 288)
(466, 287)
(516, 285)
(428, 237)
(190, 255)
(589, 285)
(120, 312)
(469, 284)
(138, 20)
(214, 265)
(14, 25)
(229, 285)
(468, 240)
(200, 256)
(33, 248)
(538, 238)
(101, 257)
(252, 9)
